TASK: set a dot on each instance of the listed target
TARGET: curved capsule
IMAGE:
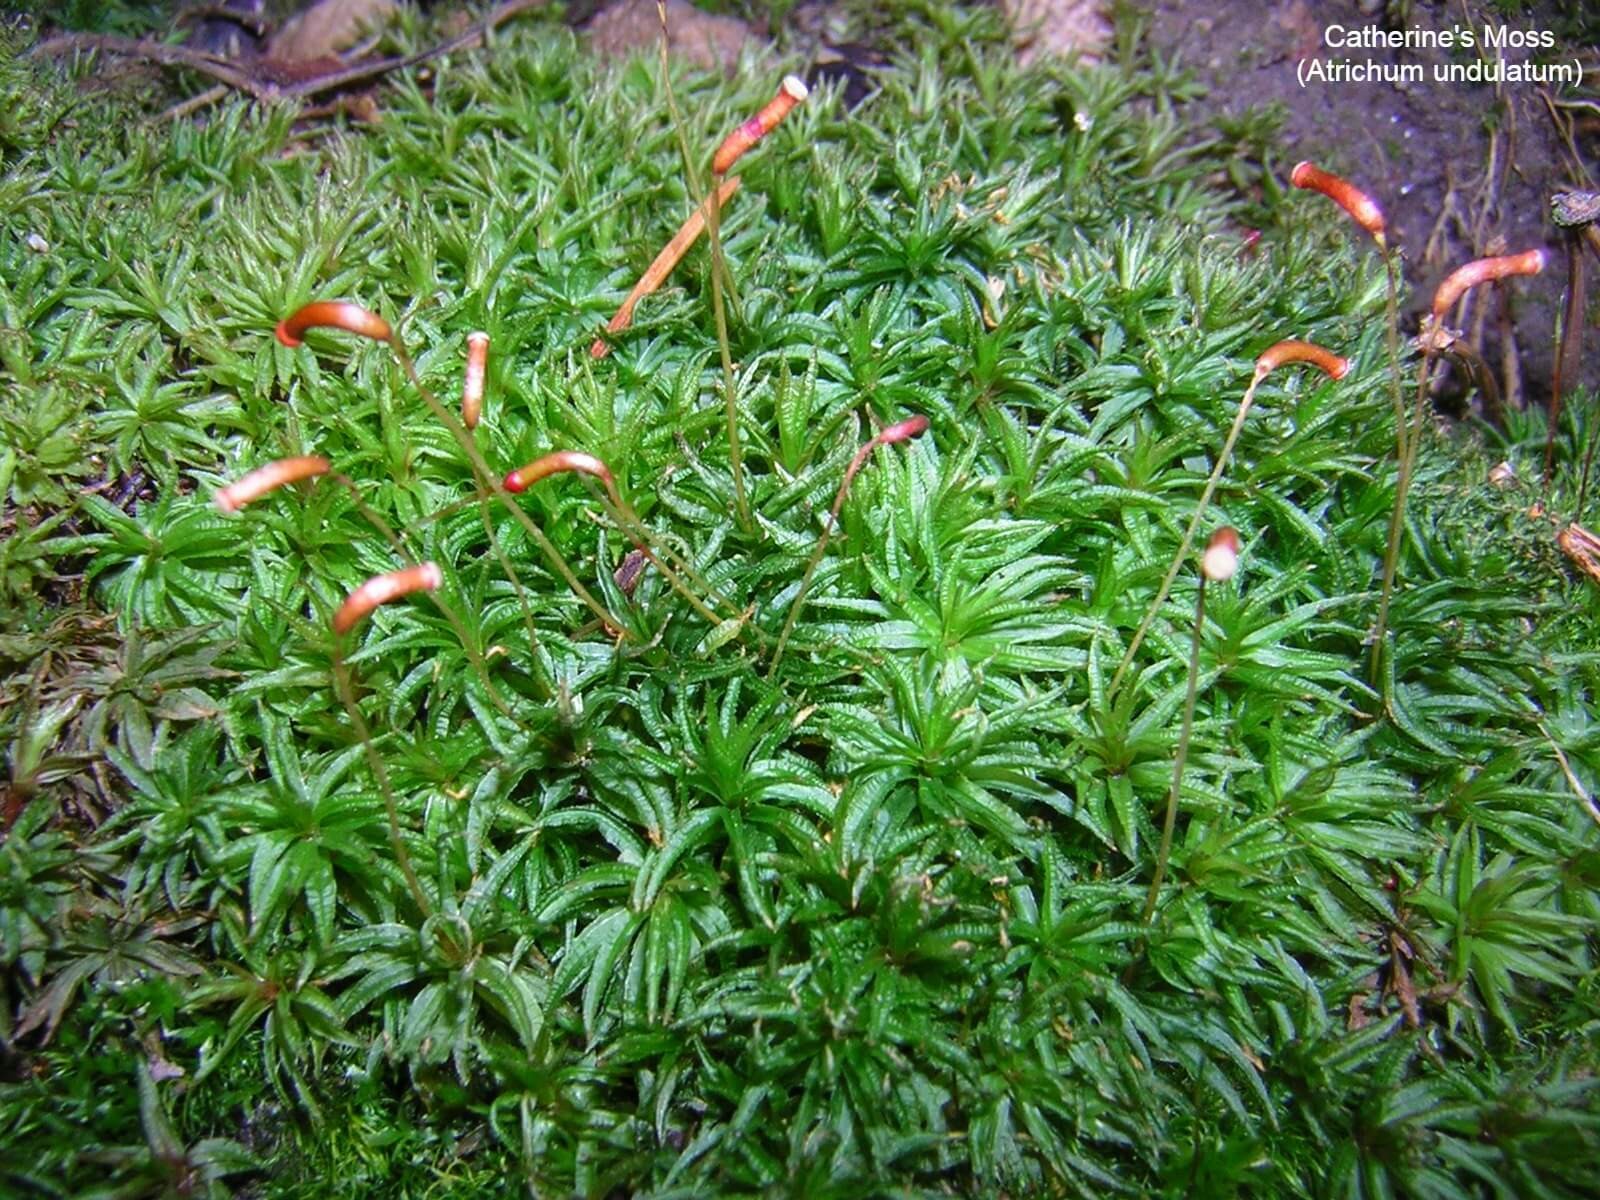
(902, 431)
(1482, 270)
(555, 462)
(380, 589)
(1342, 192)
(790, 92)
(1292, 351)
(262, 480)
(472, 382)
(332, 314)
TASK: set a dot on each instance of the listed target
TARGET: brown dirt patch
(1461, 169)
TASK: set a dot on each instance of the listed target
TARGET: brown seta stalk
(1219, 562)
(1455, 285)
(790, 93)
(380, 589)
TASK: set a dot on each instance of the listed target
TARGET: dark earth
(1461, 170)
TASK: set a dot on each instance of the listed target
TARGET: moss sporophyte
(1219, 563)
(1414, 428)
(472, 380)
(1279, 354)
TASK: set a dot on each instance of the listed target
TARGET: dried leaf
(1583, 548)
(328, 27)
(186, 704)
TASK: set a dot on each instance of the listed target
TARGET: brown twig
(268, 88)
(662, 265)
(157, 52)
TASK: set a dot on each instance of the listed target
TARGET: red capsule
(790, 92)
(1482, 270)
(1345, 194)
(380, 589)
(901, 431)
(1221, 558)
(555, 462)
(472, 382)
(1292, 351)
(265, 479)
(332, 314)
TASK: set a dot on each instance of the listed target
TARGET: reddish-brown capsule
(332, 314)
(1345, 194)
(1482, 270)
(380, 589)
(1221, 558)
(472, 383)
(1291, 351)
(901, 431)
(555, 462)
(262, 480)
(790, 92)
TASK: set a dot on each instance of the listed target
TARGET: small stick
(269, 88)
(900, 431)
(662, 265)
(472, 381)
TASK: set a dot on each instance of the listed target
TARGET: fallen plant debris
(662, 265)
(266, 77)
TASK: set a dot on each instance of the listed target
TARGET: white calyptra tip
(1221, 558)
(796, 87)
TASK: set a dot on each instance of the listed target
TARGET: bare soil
(1462, 170)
